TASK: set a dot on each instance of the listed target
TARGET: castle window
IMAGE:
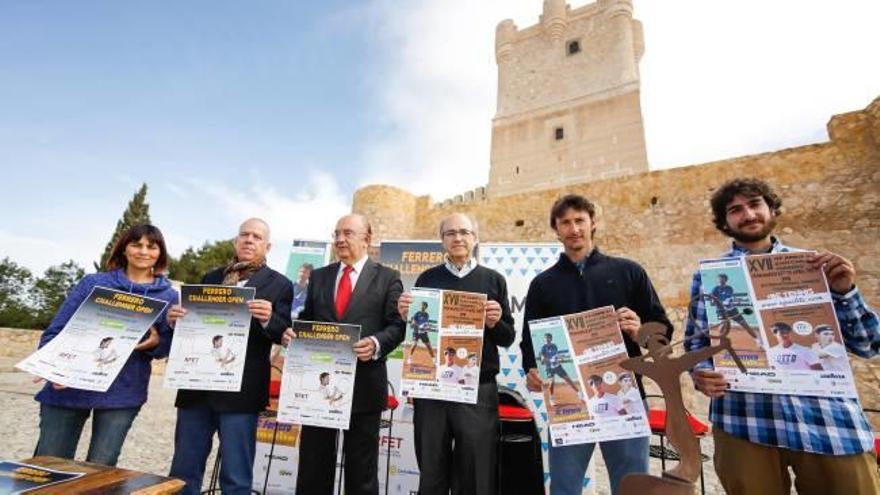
(559, 133)
(519, 223)
(517, 170)
(574, 47)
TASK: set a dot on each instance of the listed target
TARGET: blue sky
(281, 109)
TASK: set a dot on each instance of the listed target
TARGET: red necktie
(343, 292)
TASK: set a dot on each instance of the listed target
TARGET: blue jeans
(61, 427)
(193, 438)
(568, 464)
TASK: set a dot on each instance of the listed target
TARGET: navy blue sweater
(606, 280)
(130, 387)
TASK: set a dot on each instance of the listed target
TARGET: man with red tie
(358, 291)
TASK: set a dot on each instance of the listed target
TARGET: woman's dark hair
(117, 254)
(571, 201)
(749, 187)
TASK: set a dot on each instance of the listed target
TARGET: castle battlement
(568, 108)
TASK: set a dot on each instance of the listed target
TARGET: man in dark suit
(234, 414)
(358, 291)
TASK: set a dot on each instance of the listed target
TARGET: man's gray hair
(258, 220)
(469, 218)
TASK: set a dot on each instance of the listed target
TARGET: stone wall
(17, 344)
(830, 193)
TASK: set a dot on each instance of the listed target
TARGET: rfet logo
(393, 442)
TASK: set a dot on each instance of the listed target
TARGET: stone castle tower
(568, 98)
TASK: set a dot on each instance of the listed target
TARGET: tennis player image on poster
(94, 345)
(567, 412)
(615, 406)
(318, 378)
(729, 297)
(455, 352)
(422, 335)
(795, 323)
(210, 342)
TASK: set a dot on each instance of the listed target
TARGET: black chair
(520, 464)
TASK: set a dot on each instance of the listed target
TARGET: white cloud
(724, 79)
(436, 92)
(719, 79)
(309, 213)
(37, 254)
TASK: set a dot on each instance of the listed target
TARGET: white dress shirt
(462, 272)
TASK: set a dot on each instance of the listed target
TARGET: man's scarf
(241, 270)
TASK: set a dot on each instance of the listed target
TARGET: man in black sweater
(472, 427)
(585, 279)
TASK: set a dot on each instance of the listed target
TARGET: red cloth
(274, 388)
(657, 421)
(513, 413)
(343, 292)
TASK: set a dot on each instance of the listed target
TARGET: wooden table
(104, 480)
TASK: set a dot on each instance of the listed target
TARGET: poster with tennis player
(96, 342)
(318, 379)
(443, 351)
(210, 341)
(786, 307)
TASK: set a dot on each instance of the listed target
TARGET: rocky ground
(150, 442)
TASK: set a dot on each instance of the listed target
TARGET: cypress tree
(137, 212)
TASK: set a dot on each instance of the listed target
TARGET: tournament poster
(520, 263)
(304, 258)
(410, 258)
(16, 477)
(444, 345)
(210, 341)
(94, 345)
(613, 397)
(589, 396)
(781, 315)
(276, 460)
(319, 371)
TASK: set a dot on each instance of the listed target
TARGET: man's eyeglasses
(347, 234)
(449, 234)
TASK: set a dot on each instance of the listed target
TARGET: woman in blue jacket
(135, 265)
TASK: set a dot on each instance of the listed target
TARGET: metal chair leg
(341, 464)
(662, 453)
(388, 454)
(215, 477)
(702, 480)
(271, 453)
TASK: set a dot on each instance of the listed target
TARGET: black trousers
(457, 444)
(317, 457)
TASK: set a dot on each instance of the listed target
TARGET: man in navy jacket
(233, 415)
(585, 279)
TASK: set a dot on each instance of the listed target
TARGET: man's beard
(769, 225)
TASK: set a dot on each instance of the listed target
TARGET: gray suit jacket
(373, 306)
